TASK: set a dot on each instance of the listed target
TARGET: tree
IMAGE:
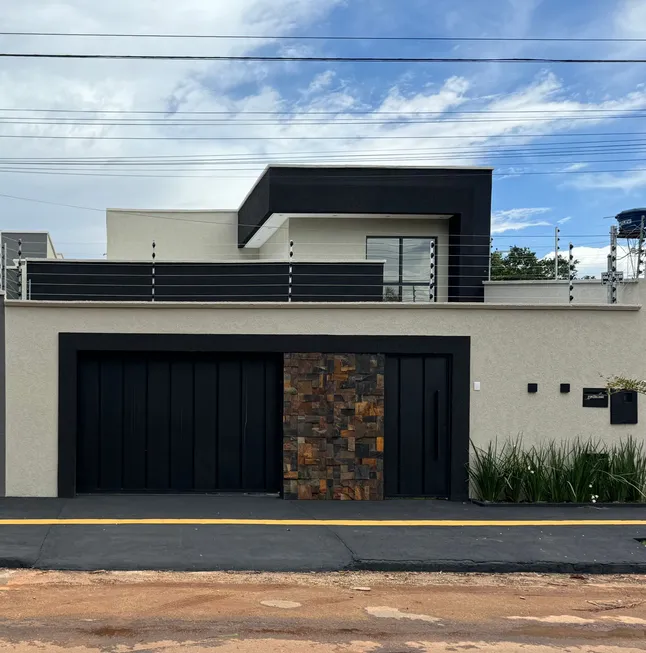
(521, 263)
(390, 294)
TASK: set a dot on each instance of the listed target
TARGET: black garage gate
(178, 422)
(198, 413)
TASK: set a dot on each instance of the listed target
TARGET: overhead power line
(565, 150)
(303, 59)
(164, 216)
(501, 158)
(530, 149)
(339, 112)
(355, 137)
(172, 122)
(314, 37)
(44, 169)
(510, 173)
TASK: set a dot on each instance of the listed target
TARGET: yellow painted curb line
(321, 522)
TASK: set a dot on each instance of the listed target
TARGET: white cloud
(573, 167)
(517, 219)
(630, 19)
(321, 82)
(564, 220)
(452, 94)
(238, 88)
(594, 260)
(626, 181)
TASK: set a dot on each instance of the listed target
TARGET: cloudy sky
(582, 122)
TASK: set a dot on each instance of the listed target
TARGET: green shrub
(486, 473)
(559, 472)
(513, 469)
(584, 464)
(625, 479)
(535, 477)
(556, 490)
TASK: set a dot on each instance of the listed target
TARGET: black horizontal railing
(248, 281)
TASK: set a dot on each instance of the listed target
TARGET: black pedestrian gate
(178, 422)
(417, 426)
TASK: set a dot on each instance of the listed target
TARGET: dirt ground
(352, 612)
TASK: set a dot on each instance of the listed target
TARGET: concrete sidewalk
(540, 547)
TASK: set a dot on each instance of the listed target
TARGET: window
(407, 271)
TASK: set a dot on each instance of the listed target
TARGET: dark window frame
(401, 282)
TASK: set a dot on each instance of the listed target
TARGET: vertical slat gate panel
(229, 431)
(89, 417)
(437, 428)
(179, 422)
(253, 425)
(134, 423)
(111, 444)
(181, 425)
(158, 431)
(273, 423)
(206, 411)
(391, 427)
(411, 425)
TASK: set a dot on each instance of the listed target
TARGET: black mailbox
(623, 407)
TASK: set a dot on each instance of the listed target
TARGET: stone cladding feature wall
(333, 426)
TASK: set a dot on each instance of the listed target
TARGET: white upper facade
(212, 236)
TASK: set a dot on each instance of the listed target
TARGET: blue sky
(526, 206)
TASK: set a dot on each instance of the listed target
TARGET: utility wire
(321, 113)
(289, 122)
(41, 168)
(529, 149)
(289, 157)
(304, 37)
(162, 216)
(313, 138)
(510, 173)
(269, 59)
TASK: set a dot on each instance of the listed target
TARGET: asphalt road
(357, 612)
(340, 536)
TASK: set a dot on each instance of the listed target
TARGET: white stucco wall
(51, 250)
(277, 246)
(345, 238)
(556, 292)
(179, 235)
(213, 236)
(510, 347)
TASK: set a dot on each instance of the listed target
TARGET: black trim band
(464, 194)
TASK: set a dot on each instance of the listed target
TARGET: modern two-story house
(351, 234)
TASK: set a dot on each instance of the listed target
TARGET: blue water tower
(630, 223)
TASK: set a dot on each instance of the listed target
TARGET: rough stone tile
(331, 402)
